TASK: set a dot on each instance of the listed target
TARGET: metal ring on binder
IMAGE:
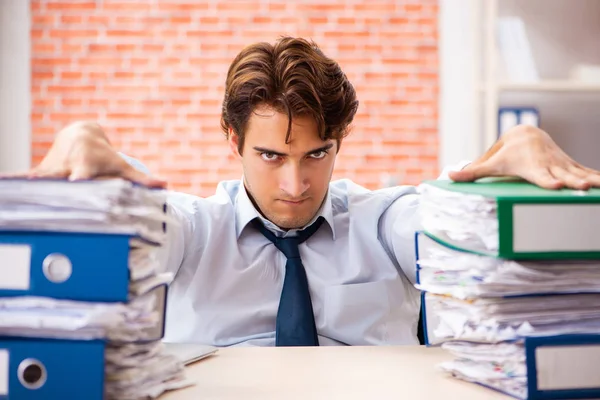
(57, 267)
(32, 373)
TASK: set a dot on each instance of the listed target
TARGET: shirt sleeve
(179, 228)
(399, 224)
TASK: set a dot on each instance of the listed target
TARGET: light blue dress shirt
(228, 277)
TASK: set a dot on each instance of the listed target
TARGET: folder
(65, 265)
(43, 369)
(512, 219)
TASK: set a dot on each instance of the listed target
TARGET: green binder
(512, 219)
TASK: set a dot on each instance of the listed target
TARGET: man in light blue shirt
(242, 275)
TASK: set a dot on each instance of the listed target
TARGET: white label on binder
(556, 227)
(568, 367)
(15, 266)
(4, 372)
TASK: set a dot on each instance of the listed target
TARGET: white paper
(15, 267)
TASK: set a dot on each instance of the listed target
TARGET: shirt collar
(246, 212)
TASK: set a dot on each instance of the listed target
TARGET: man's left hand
(530, 153)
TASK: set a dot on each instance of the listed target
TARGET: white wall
(15, 90)
(562, 33)
(459, 65)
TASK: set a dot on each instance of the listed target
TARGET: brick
(183, 6)
(69, 75)
(125, 6)
(71, 102)
(38, 76)
(52, 89)
(125, 33)
(51, 61)
(43, 103)
(39, 48)
(43, 19)
(72, 34)
(61, 6)
(98, 20)
(71, 19)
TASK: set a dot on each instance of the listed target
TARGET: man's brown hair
(294, 77)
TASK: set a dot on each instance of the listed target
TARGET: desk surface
(348, 373)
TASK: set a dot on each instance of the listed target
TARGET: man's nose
(293, 183)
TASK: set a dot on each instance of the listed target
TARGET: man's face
(287, 182)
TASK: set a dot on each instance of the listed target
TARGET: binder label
(568, 367)
(15, 267)
(4, 372)
(566, 227)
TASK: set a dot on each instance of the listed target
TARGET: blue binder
(74, 266)
(43, 369)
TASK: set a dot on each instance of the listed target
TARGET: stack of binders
(510, 281)
(82, 296)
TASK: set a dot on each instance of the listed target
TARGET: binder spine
(70, 266)
(51, 369)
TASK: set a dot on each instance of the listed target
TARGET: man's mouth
(294, 202)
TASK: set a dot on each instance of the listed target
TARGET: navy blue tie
(295, 324)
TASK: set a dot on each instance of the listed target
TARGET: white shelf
(550, 86)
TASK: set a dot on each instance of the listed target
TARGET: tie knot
(289, 246)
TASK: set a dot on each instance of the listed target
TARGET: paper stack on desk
(82, 296)
(510, 275)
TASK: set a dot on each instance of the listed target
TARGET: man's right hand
(82, 151)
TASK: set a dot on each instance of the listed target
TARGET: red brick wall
(152, 73)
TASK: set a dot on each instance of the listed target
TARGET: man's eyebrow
(277, 153)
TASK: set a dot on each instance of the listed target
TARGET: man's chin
(290, 222)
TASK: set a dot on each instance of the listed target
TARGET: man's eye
(319, 155)
(268, 156)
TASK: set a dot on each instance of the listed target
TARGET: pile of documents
(80, 274)
(507, 290)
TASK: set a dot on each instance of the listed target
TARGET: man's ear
(234, 141)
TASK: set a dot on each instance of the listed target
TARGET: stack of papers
(500, 366)
(468, 219)
(136, 363)
(509, 319)
(140, 319)
(450, 271)
(110, 206)
(485, 308)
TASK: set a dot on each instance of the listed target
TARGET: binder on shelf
(32, 369)
(512, 219)
(65, 265)
(509, 117)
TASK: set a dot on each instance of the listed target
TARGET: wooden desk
(326, 373)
